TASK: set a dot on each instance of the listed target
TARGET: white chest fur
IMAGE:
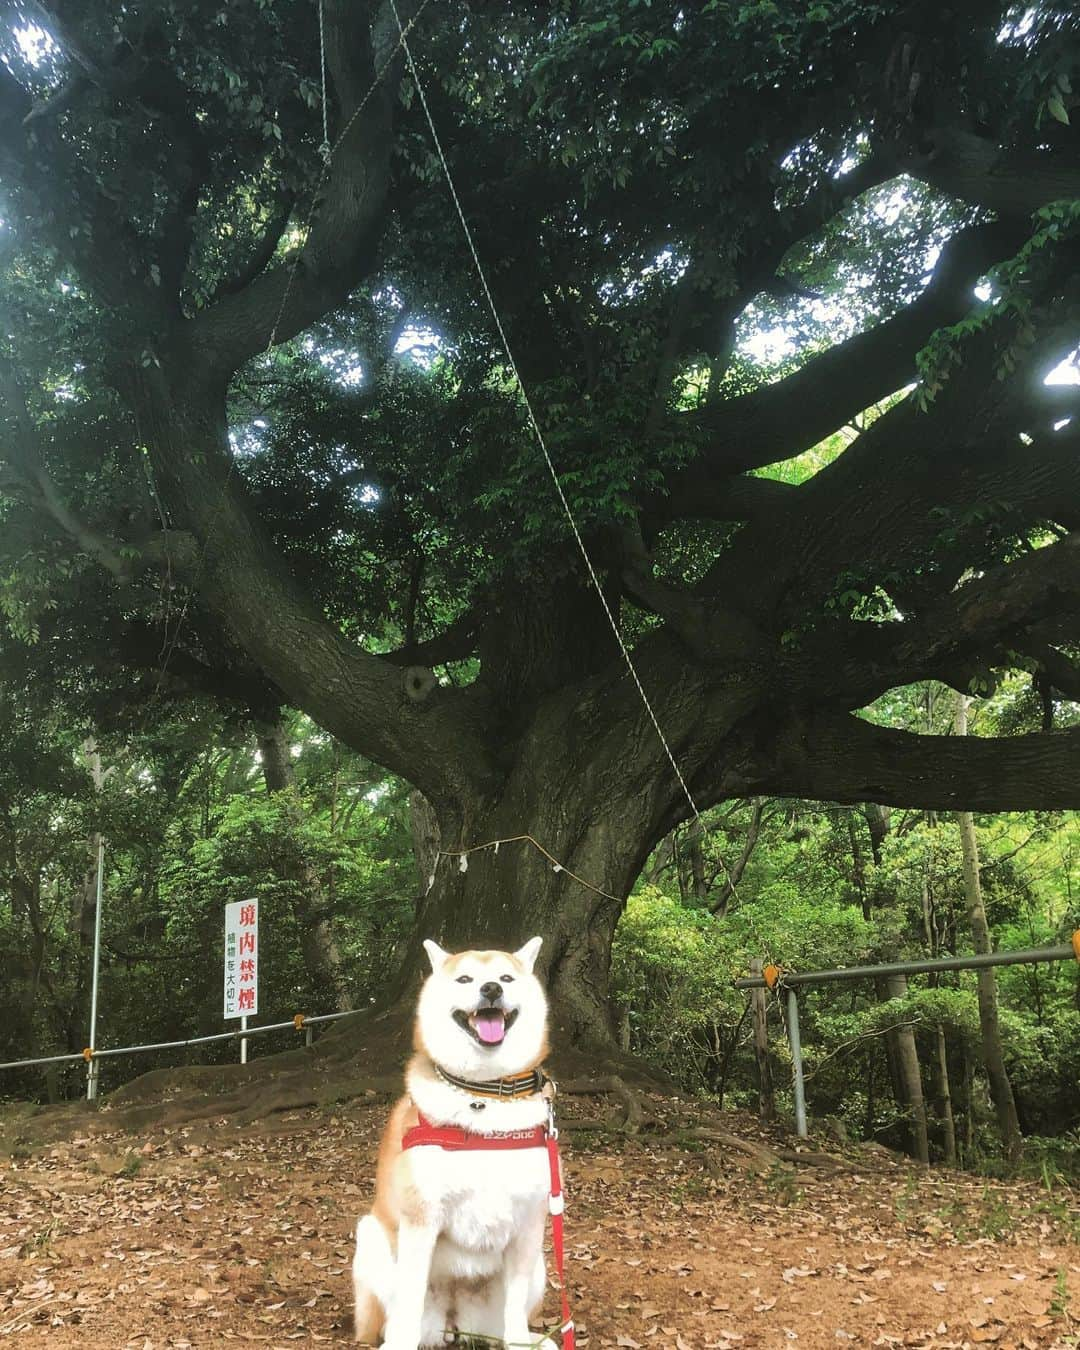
(478, 1199)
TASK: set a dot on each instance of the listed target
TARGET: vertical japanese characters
(242, 958)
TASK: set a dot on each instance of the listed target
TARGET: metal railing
(1029, 956)
(300, 1022)
(777, 978)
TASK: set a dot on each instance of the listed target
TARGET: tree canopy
(784, 281)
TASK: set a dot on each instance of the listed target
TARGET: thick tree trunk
(900, 1044)
(1001, 1092)
(319, 946)
(509, 890)
(766, 1096)
(943, 1099)
(906, 1060)
(425, 838)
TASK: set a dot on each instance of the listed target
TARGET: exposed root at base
(634, 1117)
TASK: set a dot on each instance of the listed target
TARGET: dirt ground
(197, 1236)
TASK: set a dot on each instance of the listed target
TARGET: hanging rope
(328, 150)
(538, 435)
(533, 423)
(324, 149)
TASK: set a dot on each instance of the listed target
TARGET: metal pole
(243, 1040)
(308, 1034)
(796, 1060)
(92, 1066)
(1030, 956)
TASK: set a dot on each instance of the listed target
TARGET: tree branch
(845, 759)
(263, 252)
(433, 737)
(341, 245)
(705, 321)
(1014, 183)
(718, 498)
(1061, 673)
(456, 643)
(147, 77)
(140, 647)
(710, 632)
(23, 453)
(982, 619)
(783, 419)
(734, 874)
(899, 510)
(105, 248)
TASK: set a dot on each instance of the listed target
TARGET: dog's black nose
(492, 991)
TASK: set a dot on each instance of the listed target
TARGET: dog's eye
(464, 979)
(507, 979)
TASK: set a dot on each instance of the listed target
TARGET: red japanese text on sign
(241, 972)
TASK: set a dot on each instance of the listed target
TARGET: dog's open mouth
(487, 1026)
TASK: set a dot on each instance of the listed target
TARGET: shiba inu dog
(454, 1240)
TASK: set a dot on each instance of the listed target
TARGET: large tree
(220, 469)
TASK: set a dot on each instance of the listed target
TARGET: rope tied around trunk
(463, 854)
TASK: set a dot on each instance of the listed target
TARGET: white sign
(242, 958)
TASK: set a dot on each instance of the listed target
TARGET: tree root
(766, 1155)
(634, 1117)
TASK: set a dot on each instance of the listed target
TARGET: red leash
(455, 1139)
(556, 1206)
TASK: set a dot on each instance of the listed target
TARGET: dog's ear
(436, 955)
(527, 954)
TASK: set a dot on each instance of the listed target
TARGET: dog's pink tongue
(490, 1026)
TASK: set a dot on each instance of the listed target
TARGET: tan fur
(489, 958)
(397, 1197)
(368, 1319)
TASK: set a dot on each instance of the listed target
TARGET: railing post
(797, 1062)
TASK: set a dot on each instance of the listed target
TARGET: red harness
(455, 1139)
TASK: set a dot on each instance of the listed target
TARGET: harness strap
(455, 1139)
